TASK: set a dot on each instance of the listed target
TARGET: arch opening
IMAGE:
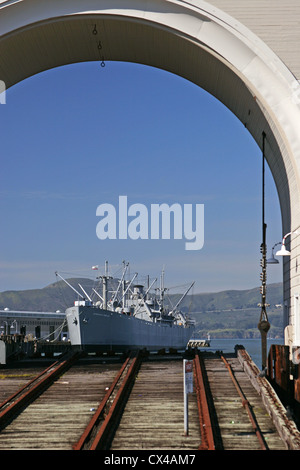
(191, 41)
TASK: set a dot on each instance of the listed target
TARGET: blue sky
(81, 135)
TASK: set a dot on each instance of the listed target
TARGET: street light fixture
(273, 260)
(283, 251)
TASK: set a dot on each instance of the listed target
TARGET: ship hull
(94, 329)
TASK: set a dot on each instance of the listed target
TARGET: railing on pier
(283, 372)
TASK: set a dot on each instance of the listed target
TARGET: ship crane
(181, 298)
(97, 293)
(121, 281)
(125, 292)
(85, 292)
(179, 302)
(73, 288)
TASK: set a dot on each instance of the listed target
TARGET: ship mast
(105, 278)
(121, 282)
(162, 286)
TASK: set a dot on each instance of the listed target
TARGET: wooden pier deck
(107, 403)
(154, 414)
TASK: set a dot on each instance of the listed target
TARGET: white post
(187, 388)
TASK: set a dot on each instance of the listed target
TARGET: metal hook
(99, 45)
(95, 30)
(102, 63)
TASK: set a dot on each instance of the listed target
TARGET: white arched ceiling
(192, 39)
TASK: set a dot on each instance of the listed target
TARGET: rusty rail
(98, 433)
(32, 389)
(206, 428)
(247, 406)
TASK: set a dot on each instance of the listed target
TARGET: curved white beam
(190, 38)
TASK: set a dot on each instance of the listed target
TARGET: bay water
(252, 346)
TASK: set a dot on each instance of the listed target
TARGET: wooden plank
(154, 415)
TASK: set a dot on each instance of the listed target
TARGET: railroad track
(16, 402)
(50, 410)
(137, 403)
(227, 418)
(226, 401)
(99, 432)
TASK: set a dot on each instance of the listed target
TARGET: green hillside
(226, 314)
(235, 314)
(56, 296)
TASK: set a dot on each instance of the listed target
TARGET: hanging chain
(263, 324)
(99, 47)
(263, 278)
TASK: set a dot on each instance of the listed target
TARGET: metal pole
(263, 324)
(104, 291)
(186, 401)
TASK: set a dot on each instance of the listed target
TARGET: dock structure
(85, 402)
(47, 325)
(198, 343)
(31, 333)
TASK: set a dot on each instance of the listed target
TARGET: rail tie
(247, 406)
(99, 431)
(31, 390)
(205, 421)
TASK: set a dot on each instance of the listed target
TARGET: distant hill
(235, 313)
(56, 296)
(230, 314)
(236, 299)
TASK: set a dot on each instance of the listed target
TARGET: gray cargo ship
(130, 319)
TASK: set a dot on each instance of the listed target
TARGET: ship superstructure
(127, 318)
